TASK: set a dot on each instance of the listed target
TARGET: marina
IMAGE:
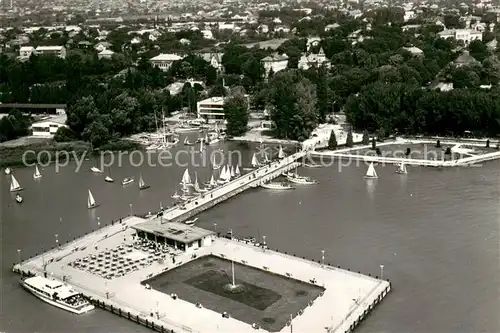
(365, 253)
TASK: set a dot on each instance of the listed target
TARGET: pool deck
(347, 297)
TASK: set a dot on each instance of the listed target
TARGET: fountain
(232, 287)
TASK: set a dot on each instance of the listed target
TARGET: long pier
(221, 193)
(347, 154)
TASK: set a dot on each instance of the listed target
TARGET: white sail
(281, 153)
(222, 175)
(90, 200)
(142, 183)
(37, 173)
(212, 181)
(196, 185)
(402, 168)
(14, 184)
(186, 179)
(255, 162)
(201, 146)
(371, 173)
(232, 172)
(237, 171)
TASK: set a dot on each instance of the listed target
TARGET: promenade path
(347, 294)
(252, 179)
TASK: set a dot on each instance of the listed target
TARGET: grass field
(266, 299)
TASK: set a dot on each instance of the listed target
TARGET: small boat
(311, 165)
(95, 170)
(142, 184)
(91, 203)
(191, 222)
(185, 197)
(186, 178)
(128, 180)
(108, 177)
(19, 198)
(281, 153)
(7, 171)
(37, 174)
(57, 294)
(175, 195)
(14, 185)
(237, 172)
(154, 146)
(213, 140)
(371, 173)
(187, 142)
(255, 161)
(197, 186)
(296, 179)
(402, 169)
(231, 172)
(277, 186)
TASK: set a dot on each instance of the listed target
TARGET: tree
(366, 138)
(236, 112)
(64, 134)
(332, 142)
(349, 141)
(292, 100)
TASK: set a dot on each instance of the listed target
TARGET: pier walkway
(352, 155)
(223, 192)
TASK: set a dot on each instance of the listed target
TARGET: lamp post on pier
(322, 258)
(131, 211)
(19, 256)
(98, 223)
(57, 240)
(381, 272)
(264, 242)
(215, 227)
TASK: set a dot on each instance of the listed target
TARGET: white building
(59, 51)
(48, 127)
(164, 61)
(275, 62)
(211, 108)
(465, 35)
(26, 51)
(313, 60)
(105, 54)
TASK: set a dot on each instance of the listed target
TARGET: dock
(223, 192)
(347, 298)
(349, 154)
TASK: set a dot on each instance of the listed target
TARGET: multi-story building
(275, 62)
(164, 61)
(465, 35)
(211, 108)
(27, 51)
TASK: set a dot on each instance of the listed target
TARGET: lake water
(435, 231)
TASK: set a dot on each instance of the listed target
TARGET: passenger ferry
(57, 294)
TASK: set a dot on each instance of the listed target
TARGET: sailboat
(402, 169)
(223, 176)
(91, 203)
(95, 170)
(175, 195)
(237, 172)
(186, 179)
(142, 184)
(201, 146)
(371, 173)
(19, 198)
(37, 174)
(212, 161)
(14, 184)
(281, 153)
(255, 161)
(197, 186)
(232, 172)
(108, 177)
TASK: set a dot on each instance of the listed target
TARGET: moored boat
(301, 180)
(142, 184)
(280, 186)
(95, 170)
(19, 198)
(37, 174)
(57, 294)
(192, 221)
(402, 169)
(7, 171)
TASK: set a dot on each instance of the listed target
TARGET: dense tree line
(14, 125)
